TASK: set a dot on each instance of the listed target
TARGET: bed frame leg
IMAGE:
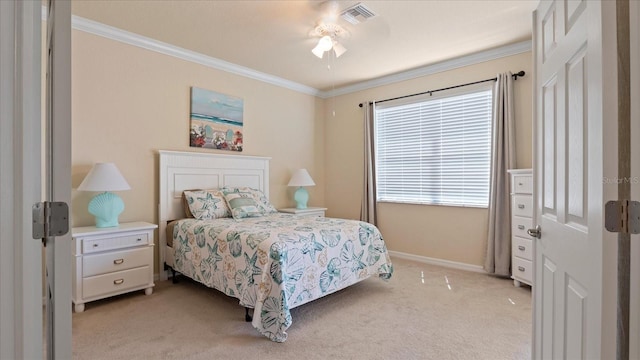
(247, 317)
(174, 274)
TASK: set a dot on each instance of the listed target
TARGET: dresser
(310, 211)
(111, 261)
(521, 221)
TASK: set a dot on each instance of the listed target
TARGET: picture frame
(216, 120)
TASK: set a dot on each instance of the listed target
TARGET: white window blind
(435, 151)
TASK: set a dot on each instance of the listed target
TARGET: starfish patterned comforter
(277, 262)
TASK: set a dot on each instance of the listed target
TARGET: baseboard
(438, 262)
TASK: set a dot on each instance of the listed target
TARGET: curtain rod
(515, 77)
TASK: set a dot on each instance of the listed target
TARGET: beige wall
(449, 233)
(128, 103)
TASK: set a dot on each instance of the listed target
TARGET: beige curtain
(368, 209)
(503, 157)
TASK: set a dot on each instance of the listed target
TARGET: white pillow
(242, 204)
(258, 196)
(207, 204)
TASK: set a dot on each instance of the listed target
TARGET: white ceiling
(273, 37)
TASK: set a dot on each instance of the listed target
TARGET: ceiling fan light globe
(325, 43)
(317, 51)
(339, 49)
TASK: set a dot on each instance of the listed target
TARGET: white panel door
(574, 152)
(20, 255)
(58, 176)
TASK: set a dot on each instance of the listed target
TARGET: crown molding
(113, 33)
(472, 59)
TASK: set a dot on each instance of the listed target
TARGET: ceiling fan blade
(330, 11)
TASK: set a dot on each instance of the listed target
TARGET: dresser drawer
(522, 205)
(522, 269)
(111, 243)
(115, 261)
(522, 248)
(522, 184)
(520, 225)
(116, 282)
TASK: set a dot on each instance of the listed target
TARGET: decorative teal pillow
(207, 204)
(242, 204)
(258, 196)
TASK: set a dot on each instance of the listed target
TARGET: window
(435, 151)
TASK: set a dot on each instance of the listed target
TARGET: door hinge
(622, 216)
(50, 219)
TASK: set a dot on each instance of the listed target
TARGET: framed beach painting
(216, 120)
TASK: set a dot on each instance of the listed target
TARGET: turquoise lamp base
(106, 207)
(301, 197)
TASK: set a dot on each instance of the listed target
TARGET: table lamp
(106, 207)
(301, 178)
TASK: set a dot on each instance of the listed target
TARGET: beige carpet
(413, 316)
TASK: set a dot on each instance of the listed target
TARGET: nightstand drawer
(522, 269)
(116, 261)
(308, 212)
(522, 248)
(97, 245)
(520, 225)
(312, 214)
(115, 282)
(522, 205)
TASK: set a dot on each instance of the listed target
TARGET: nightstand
(111, 261)
(310, 211)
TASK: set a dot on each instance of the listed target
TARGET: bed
(271, 262)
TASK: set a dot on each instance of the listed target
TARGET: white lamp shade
(104, 177)
(317, 51)
(301, 178)
(324, 44)
(339, 49)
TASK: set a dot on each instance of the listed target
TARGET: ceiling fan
(330, 31)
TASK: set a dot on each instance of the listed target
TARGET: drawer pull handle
(521, 248)
(521, 268)
(521, 227)
(139, 239)
(520, 206)
(520, 184)
(118, 281)
(118, 261)
(95, 245)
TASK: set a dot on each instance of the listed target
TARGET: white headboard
(181, 171)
